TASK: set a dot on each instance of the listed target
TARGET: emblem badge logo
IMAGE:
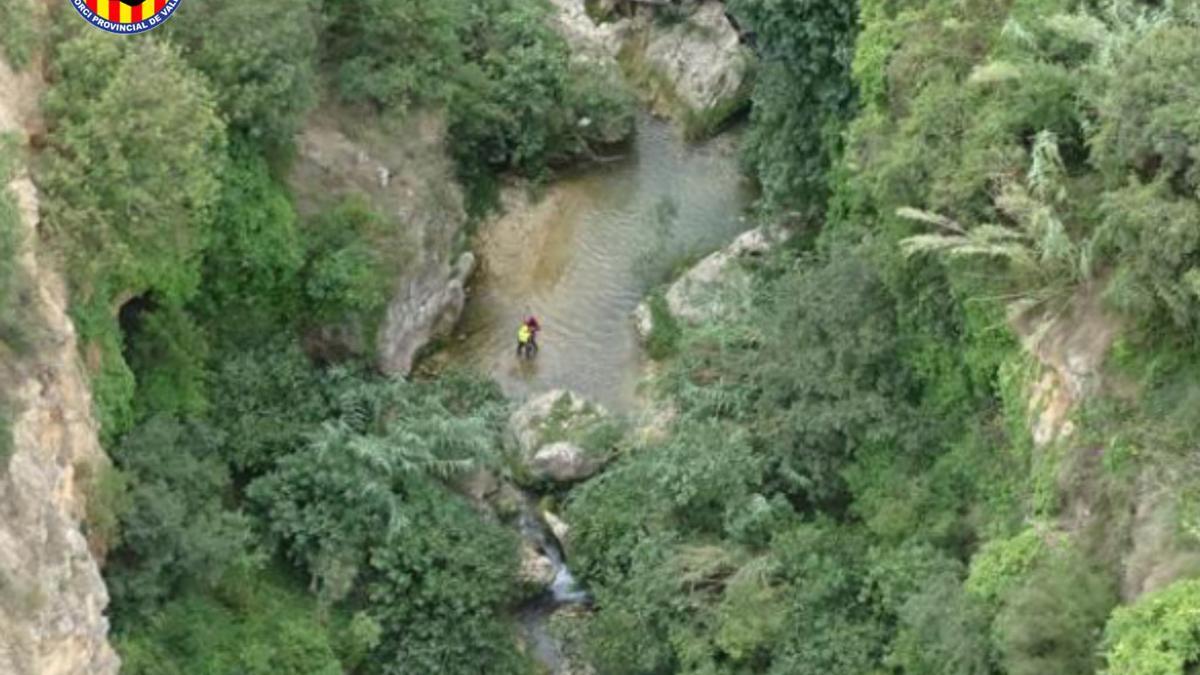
(124, 17)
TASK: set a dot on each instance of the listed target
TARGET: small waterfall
(563, 591)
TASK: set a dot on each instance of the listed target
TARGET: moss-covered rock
(562, 437)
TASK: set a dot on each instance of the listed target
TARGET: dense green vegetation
(849, 483)
(17, 37)
(12, 322)
(298, 512)
(513, 97)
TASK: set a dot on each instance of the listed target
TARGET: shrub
(1052, 623)
(1157, 635)
(176, 531)
(272, 628)
(15, 328)
(262, 70)
(665, 332)
(18, 35)
(106, 495)
(1001, 564)
(252, 265)
(351, 262)
(6, 434)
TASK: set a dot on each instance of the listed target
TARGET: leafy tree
(1052, 623)
(816, 376)
(167, 353)
(1157, 635)
(802, 96)
(1147, 102)
(832, 626)
(131, 170)
(261, 69)
(359, 509)
(268, 398)
(943, 631)
(396, 54)
(438, 590)
(177, 531)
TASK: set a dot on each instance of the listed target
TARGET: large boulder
(694, 69)
(564, 462)
(609, 119)
(562, 437)
(698, 68)
(590, 41)
(708, 290)
(558, 527)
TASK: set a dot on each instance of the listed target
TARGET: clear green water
(583, 256)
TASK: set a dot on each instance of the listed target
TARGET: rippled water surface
(584, 254)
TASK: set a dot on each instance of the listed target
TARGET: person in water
(527, 336)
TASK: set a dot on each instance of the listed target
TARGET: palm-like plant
(1036, 242)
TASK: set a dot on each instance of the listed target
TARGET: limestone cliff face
(52, 597)
(694, 70)
(1136, 524)
(403, 172)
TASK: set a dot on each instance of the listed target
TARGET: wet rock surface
(709, 289)
(561, 437)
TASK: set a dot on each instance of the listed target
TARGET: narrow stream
(533, 617)
(581, 257)
(584, 255)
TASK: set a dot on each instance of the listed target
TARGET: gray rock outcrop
(589, 41)
(564, 462)
(537, 569)
(707, 291)
(695, 70)
(425, 307)
(704, 61)
(405, 175)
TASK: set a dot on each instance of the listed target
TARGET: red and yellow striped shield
(125, 16)
(122, 11)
